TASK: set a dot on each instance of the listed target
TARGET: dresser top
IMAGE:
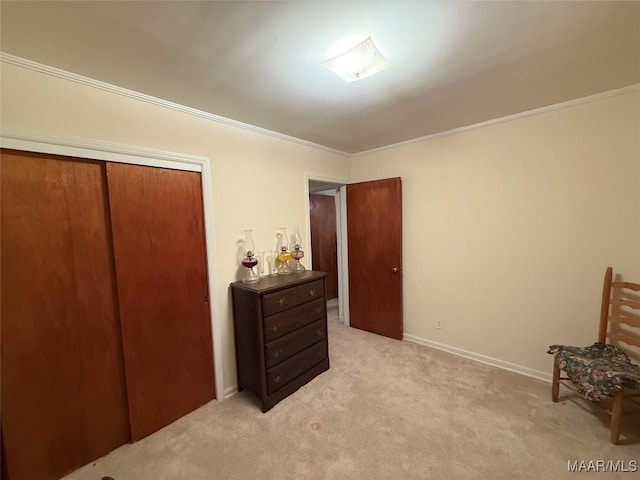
(277, 282)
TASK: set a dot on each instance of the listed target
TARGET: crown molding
(74, 77)
(45, 142)
(508, 118)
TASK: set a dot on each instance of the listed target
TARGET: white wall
(508, 228)
(257, 180)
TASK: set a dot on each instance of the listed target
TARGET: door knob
(394, 269)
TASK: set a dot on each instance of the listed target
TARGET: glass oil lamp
(296, 252)
(283, 253)
(250, 260)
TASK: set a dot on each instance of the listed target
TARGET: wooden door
(158, 237)
(63, 390)
(374, 233)
(324, 247)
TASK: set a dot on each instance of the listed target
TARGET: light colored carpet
(385, 410)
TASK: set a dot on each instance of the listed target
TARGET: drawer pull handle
(318, 310)
(319, 332)
(277, 353)
(275, 328)
(312, 292)
(282, 301)
(277, 379)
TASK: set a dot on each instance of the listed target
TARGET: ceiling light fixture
(358, 62)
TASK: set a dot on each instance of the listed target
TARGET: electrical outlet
(439, 324)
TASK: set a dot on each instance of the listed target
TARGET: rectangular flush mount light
(357, 63)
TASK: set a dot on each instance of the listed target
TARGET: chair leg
(616, 417)
(555, 385)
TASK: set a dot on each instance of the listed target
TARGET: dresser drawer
(286, 322)
(287, 346)
(310, 291)
(279, 301)
(288, 370)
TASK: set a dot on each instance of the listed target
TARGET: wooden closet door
(63, 391)
(158, 237)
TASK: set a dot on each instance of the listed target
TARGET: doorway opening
(327, 234)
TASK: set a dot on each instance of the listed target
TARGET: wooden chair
(604, 361)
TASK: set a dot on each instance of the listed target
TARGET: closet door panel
(63, 390)
(158, 236)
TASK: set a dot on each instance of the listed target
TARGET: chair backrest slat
(633, 322)
(625, 302)
(627, 285)
(621, 337)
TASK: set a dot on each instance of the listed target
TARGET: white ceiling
(454, 63)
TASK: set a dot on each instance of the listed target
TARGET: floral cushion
(598, 371)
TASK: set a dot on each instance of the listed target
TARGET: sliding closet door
(158, 237)
(63, 390)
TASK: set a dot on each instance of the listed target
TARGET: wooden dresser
(280, 334)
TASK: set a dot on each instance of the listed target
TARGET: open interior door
(374, 233)
(322, 217)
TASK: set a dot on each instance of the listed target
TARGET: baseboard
(494, 362)
(230, 391)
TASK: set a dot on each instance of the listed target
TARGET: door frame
(40, 142)
(341, 237)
